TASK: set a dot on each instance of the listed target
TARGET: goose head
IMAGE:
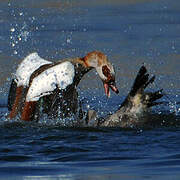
(104, 68)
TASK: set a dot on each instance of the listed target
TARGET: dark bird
(132, 111)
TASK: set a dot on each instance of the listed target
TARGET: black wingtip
(156, 95)
(141, 80)
(154, 104)
(142, 70)
(150, 81)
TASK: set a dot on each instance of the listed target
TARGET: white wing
(59, 76)
(27, 67)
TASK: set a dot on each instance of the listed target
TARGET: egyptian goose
(131, 113)
(53, 85)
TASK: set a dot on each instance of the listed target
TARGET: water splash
(20, 29)
(19, 35)
(174, 108)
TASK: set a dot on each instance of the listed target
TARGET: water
(130, 33)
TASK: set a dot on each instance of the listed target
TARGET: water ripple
(15, 158)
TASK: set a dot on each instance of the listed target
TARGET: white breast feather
(27, 67)
(59, 76)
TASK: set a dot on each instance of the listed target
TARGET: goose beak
(113, 87)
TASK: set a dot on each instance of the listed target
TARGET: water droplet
(12, 29)
(15, 52)
(68, 40)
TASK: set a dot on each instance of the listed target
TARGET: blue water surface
(130, 33)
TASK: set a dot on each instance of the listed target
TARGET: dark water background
(130, 32)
